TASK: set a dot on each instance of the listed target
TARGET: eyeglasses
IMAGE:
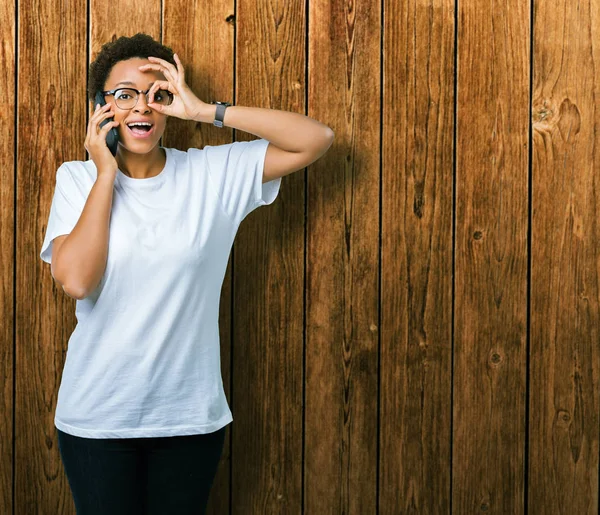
(127, 98)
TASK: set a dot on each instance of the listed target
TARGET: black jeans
(145, 476)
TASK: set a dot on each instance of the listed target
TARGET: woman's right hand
(95, 140)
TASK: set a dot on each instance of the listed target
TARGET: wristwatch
(220, 114)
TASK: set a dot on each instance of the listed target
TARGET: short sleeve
(236, 171)
(67, 205)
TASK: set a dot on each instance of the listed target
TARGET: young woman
(141, 239)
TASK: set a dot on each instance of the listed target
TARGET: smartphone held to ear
(112, 137)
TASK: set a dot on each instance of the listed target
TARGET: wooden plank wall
(412, 327)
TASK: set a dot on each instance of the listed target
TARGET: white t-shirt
(144, 358)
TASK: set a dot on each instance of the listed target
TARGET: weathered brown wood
(374, 352)
(51, 130)
(8, 162)
(108, 21)
(204, 40)
(490, 313)
(342, 288)
(268, 258)
(565, 257)
(416, 259)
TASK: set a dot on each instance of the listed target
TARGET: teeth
(139, 123)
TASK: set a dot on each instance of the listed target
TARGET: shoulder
(75, 168)
(77, 176)
(180, 157)
(235, 150)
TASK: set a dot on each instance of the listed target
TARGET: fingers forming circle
(175, 76)
(160, 84)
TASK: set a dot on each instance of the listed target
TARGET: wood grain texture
(8, 162)
(203, 37)
(51, 100)
(416, 259)
(268, 259)
(342, 283)
(565, 256)
(490, 312)
(412, 327)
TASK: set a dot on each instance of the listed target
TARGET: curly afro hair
(141, 45)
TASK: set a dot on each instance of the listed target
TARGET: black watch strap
(220, 114)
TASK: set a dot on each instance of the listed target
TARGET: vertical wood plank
(493, 83)
(108, 21)
(563, 465)
(416, 256)
(268, 289)
(204, 39)
(342, 310)
(51, 130)
(8, 123)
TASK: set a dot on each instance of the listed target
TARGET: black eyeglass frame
(138, 91)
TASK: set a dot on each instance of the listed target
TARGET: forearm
(81, 259)
(289, 131)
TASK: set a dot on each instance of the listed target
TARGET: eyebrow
(130, 83)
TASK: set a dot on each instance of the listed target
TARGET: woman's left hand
(185, 105)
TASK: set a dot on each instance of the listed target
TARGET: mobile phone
(112, 138)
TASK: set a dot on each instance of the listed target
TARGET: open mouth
(140, 130)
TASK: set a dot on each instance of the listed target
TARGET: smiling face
(128, 71)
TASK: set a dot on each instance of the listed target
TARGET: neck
(141, 166)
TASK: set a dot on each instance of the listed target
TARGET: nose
(142, 103)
